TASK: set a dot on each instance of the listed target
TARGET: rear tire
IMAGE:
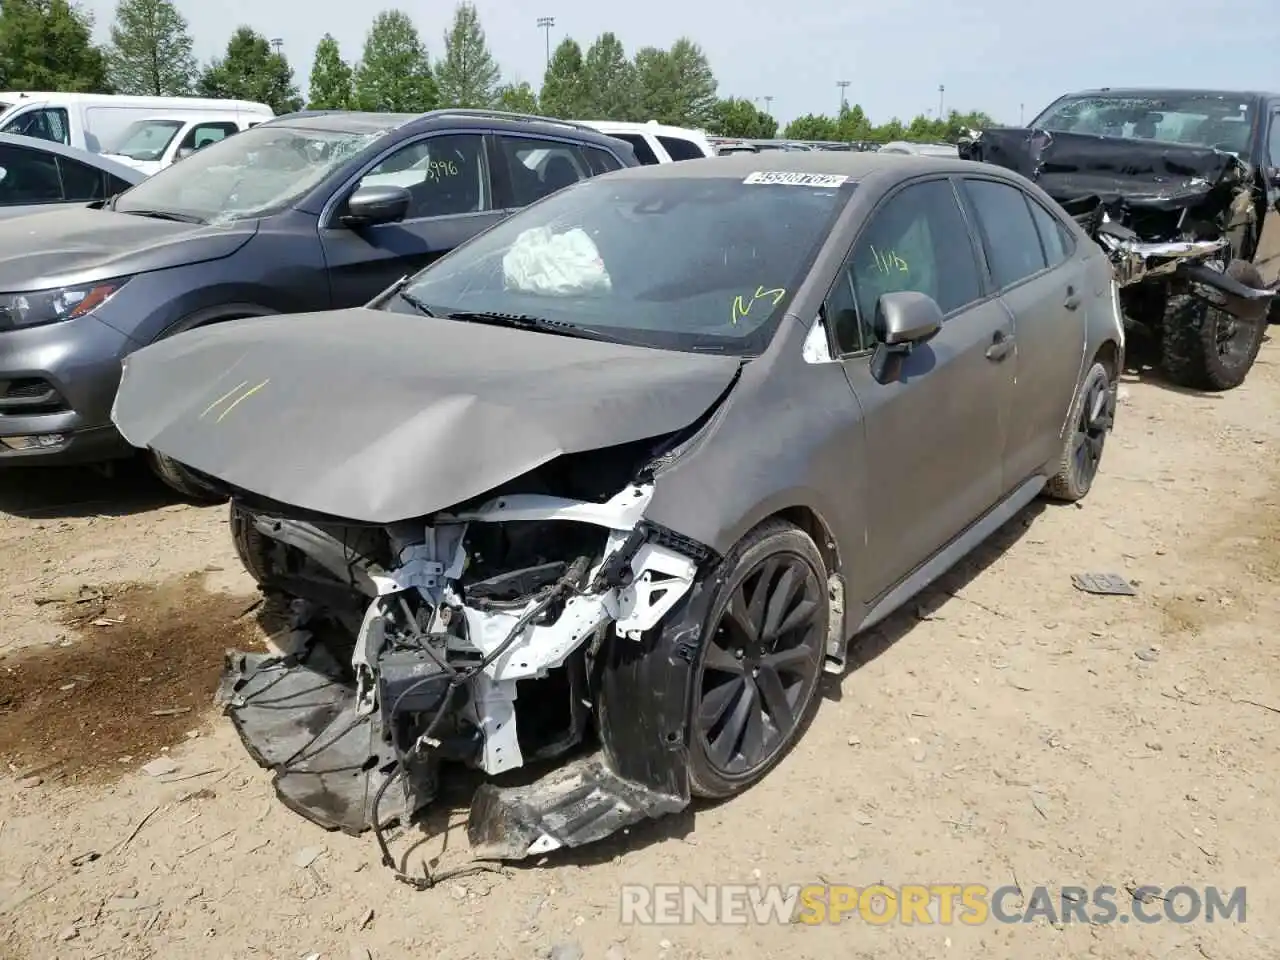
(1205, 348)
(1092, 416)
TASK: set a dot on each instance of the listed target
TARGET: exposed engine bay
(473, 637)
(1160, 210)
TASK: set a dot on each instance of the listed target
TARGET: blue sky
(995, 56)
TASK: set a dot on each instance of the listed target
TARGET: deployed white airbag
(544, 262)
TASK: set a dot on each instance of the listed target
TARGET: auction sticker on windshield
(796, 179)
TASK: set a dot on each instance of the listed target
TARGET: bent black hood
(380, 417)
(50, 249)
(1148, 173)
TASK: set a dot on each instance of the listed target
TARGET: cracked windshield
(1202, 121)
(697, 263)
(245, 176)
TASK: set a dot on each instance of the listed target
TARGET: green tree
(468, 76)
(394, 73)
(150, 50)
(610, 79)
(517, 98)
(852, 124)
(48, 45)
(737, 117)
(330, 87)
(676, 85)
(564, 92)
(812, 126)
(250, 70)
(893, 130)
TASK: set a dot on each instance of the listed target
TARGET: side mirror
(1274, 176)
(376, 204)
(184, 152)
(903, 321)
(906, 318)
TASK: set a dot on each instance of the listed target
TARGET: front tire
(1205, 348)
(1091, 419)
(757, 673)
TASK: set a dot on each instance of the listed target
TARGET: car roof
(361, 122)
(123, 171)
(855, 165)
(1168, 91)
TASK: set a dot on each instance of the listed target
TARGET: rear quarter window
(680, 149)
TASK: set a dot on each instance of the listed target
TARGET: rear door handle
(1073, 299)
(1001, 346)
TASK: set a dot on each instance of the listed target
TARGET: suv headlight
(49, 306)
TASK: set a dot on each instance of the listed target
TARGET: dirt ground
(1007, 729)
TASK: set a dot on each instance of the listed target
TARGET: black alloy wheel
(1093, 423)
(761, 661)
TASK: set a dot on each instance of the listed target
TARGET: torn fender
(379, 417)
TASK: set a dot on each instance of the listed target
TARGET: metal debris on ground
(1104, 584)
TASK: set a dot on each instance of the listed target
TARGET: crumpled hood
(53, 248)
(379, 417)
(1069, 166)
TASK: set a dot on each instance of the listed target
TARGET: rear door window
(81, 182)
(1053, 235)
(538, 168)
(28, 176)
(680, 149)
(644, 153)
(600, 161)
(1009, 234)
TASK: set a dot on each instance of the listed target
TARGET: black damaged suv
(1182, 188)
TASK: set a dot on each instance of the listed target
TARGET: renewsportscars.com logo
(970, 904)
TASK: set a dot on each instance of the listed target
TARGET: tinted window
(444, 175)
(1053, 235)
(80, 182)
(203, 134)
(701, 263)
(917, 241)
(540, 167)
(48, 124)
(680, 149)
(28, 176)
(1008, 233)
(600, 161)
(1273, 140)
(644, 153)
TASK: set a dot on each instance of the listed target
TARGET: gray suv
(310, 211)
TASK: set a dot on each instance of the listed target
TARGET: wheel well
(812, 524)
(1109, 356)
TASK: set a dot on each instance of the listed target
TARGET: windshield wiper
(417, 304)
(522, 321)
(166, 215)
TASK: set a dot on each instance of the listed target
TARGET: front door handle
(1001, 346)
(1073, 299)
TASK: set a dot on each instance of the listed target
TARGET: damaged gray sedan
(590, 504)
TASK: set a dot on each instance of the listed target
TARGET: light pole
(276, 44)
(545, 24)
(941, 90)
(843, 85)
(1021, 123)
(768, 105)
